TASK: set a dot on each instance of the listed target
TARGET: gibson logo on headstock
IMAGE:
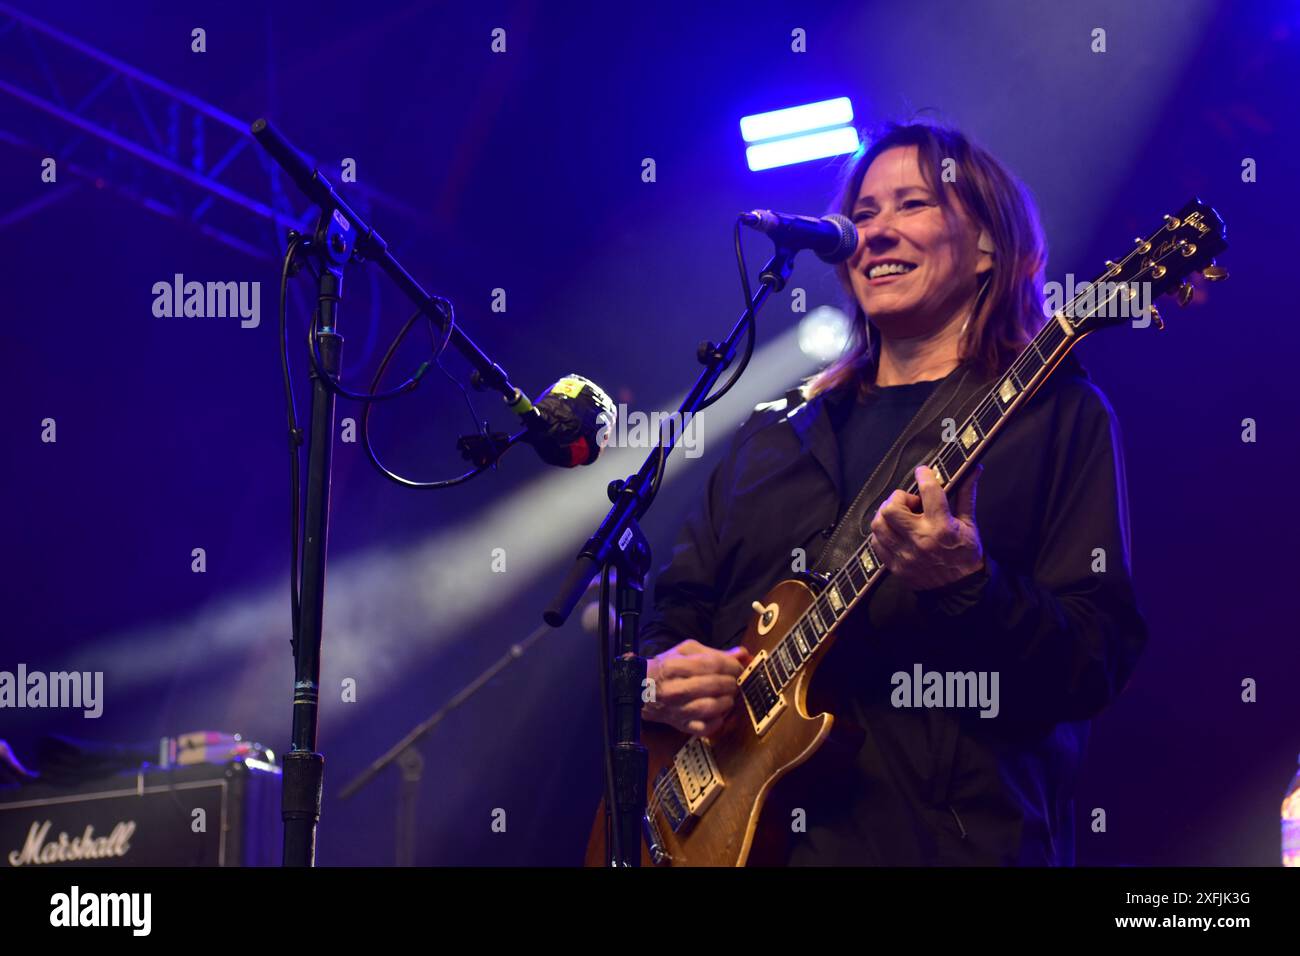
(1195, 221)
(37, 850)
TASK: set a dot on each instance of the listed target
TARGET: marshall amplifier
(209, 814)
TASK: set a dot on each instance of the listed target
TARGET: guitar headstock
(1157, 265)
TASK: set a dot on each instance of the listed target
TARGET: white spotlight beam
(387, 607)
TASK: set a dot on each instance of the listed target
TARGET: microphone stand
(619, 543)
(304, 768)
(409, 760)
(340, 234)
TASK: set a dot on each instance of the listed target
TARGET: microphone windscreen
(571, 415)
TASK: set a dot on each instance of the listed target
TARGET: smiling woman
(1026, 592)
(934, 212)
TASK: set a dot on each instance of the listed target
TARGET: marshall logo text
(39, 849)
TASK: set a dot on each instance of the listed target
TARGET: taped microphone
(833, 238)
(565, 423)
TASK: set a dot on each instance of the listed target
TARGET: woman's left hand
(921, 540)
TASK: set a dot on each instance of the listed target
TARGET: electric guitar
(707, 795)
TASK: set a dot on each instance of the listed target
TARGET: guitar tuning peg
(1214, 273)
(1185, 293)
(1157, 319)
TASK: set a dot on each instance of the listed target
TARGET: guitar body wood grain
(733, 827)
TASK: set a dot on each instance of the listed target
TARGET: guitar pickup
(763, 702)
(687, 788)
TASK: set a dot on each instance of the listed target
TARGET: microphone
(833, 238)
(564, 424)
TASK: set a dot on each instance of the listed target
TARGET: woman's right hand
(695, 686)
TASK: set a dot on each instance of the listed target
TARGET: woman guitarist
(1022, 581)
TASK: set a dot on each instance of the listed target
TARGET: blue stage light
(801, 149)
(796, 119)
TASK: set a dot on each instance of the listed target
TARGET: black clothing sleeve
(1070, 634)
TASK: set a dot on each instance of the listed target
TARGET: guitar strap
(955, 397)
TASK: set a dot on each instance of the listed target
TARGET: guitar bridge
(659, 854)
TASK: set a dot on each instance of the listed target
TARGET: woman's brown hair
(1009, 309)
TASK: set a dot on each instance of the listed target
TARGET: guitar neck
(949, 462)
(1185, 243)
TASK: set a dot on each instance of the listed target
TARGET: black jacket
(936, 785)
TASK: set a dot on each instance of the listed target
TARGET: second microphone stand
(619, 543)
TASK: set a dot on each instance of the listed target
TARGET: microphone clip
(483, 450)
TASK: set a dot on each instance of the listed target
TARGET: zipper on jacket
(958, 819)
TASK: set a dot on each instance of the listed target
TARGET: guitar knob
(1214, 273)
(1157, 319)
(1185, 293)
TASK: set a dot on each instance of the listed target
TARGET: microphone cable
(661, 459)
(367, 399)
